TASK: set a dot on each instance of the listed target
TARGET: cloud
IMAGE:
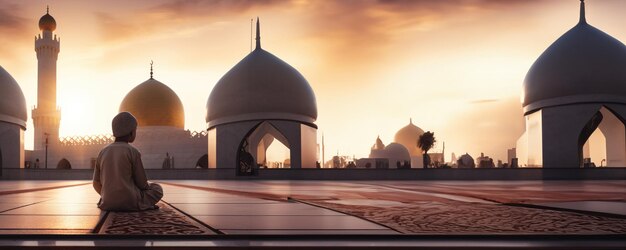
(365, 31)
(9, 22)
(483, 101)
(349, 20)
(17, 27)
(173, 15)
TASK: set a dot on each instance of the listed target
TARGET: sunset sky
(455, 67)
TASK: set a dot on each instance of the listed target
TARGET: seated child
(119, 176)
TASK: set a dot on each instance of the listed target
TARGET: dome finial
(410, 120)
(258, 34)
(47, 9)
(582, 12)
(151, 62)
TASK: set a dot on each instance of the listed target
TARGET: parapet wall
(338, 174)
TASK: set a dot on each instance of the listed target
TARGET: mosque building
(408, 137)
(260, 101)
(161, 120)
(403, 152)
(394, 155)
(13, 118)
(574, 102)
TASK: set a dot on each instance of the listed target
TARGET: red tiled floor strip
(39, 189)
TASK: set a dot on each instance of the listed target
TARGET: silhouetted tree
(426, 142)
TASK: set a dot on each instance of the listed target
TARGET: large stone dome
(408, 136)
(12, 101)
(47, 22)
(154, 104)
(261, 86)
(584, 65)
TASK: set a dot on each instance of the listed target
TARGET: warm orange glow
(455, 67)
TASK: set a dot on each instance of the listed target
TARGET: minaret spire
(582, 12)
(151, 62)
(258, 34)
(46, 115)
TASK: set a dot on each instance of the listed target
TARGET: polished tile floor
(293, 207)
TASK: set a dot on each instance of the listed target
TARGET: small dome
(12, 101)
(397, 151)
(154, 104)
(408, 136)
(583, 65)
(261, 86)
(47, 22)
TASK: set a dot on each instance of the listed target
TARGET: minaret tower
(46, 115)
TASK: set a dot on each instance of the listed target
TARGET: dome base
(573, 99)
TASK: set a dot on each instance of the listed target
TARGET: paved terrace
(366, 213)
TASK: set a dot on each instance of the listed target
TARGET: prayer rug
(165, 220)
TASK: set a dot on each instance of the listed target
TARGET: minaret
(46, 115)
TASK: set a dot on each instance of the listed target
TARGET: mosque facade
(260, 101)
(161, 136)
(574, 102)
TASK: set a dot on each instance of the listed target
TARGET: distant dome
(47, 22)
(154, 104)
(408, 136)
(466, 161)
(397, 151)
(261, 86)
(583, 65)
(12, 101)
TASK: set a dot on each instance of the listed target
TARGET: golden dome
(154, 104)
(47, 22)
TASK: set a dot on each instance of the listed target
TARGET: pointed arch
(274, 154)
(64, 164)
(246, 164)
(613, 127)
(203, 161)
(604, 139)
(257, 142)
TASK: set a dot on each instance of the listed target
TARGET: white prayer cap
(123, 123)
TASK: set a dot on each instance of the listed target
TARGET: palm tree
(426, 142)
